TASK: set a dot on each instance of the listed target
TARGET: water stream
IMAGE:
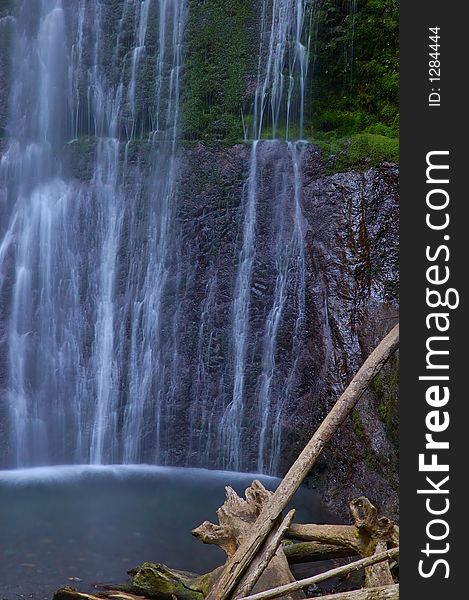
(97, 287)
(279, 105)
(87, 276)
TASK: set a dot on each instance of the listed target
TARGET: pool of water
(85, 525)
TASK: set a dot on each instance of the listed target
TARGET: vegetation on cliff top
(217, 63)
(352, 111)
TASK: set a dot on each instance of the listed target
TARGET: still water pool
(84, 525)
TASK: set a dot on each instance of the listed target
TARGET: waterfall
(131, 332)
(279, 107)
(86, 274)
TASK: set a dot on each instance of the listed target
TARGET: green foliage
(352, 104)
(356, 77)
(216, 65)
(358, 151)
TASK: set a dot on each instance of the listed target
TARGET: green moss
(357, 425)
(371, 460)
(216, 67)
(357, 152)
(157, 580)
(386, 386)
(371, 149)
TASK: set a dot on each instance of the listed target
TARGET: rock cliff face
(353, 249)
(351, 242)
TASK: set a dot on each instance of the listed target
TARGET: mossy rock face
(220, 38)
(358, 152)
(80, 156)
(386, 388)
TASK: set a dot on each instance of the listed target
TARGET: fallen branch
(338, 571)
(370, 535)
(158, 581)
(239, 562)
(235, 521)
(312, 551)
(387, 592)
(337, 535)
(69, 593)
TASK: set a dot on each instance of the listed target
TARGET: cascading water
(130, 333)
(279, 103)
(86, 275)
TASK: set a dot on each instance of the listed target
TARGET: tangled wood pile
(258, 538)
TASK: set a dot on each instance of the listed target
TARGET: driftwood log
(159, 581)
(337, 572)
(150, 580)
(235, 520)
(369, 535)
(307, 552)
(389, 592)
(381, 593)
(240, 561)
(376, 535)
(365, 538)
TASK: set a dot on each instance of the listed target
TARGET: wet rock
(350, 240)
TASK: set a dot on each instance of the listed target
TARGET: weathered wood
(388, 592)
(366, 520)
(337, 535)
(328, 541)
(369, 535)
(235, 518)
(379, 574)
(314, 551)
(262, 560)
(337, 572)
(241, 559)
(158, 581)
(174, 581)
(235, 521)
(69, 593)
(119, 595)
(379, 593)
(375, 535)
